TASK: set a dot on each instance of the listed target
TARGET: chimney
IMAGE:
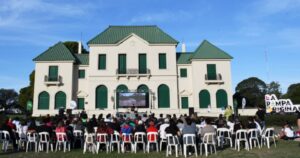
(183, 49)
(79, 47)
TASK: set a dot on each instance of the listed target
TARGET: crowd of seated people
(168, 124)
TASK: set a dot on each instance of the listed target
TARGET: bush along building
(133, 59)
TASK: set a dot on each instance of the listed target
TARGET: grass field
(285, 149)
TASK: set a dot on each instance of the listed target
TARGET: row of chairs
(92, 142)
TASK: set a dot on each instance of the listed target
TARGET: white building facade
(133, 59)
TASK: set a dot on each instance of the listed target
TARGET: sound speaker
(191, 111)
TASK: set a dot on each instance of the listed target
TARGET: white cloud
(269, 7)
(162, 17)
(19, 12)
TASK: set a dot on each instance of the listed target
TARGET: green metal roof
(58, 52)
(206, 50)
(183, 58)
(151, 33)
(82, 59)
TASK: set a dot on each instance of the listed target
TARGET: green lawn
(285, 149)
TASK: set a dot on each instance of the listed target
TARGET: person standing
(260, 114)
(228, 112)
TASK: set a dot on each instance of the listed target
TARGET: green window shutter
(143, 88)
(53, 73)
(102, 62)
(101, 97)
(184, 102)
(81, 73)
(183, 73)
(43, 102)
(120, 88)
(80, 103)
(60, 100)
(122, 64)
(142, 63)
(211, 72)
(163, 96)
(162, 59)
(221, 97)
(204, 99)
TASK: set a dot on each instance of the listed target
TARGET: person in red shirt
(11, 125)
(60, 129)
(151, 128)
(104, 129)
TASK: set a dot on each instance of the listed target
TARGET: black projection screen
(133, 99)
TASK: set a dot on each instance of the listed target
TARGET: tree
(253, 89)
(26, 93)
(293, 93)
(8, 97)
(274, 88)
(73, 47)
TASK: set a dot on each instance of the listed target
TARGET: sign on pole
(279, 105)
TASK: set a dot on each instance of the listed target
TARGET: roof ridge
(58, 47)
(207, 50)
(132, 26)
(115, 33)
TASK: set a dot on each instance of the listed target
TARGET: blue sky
(244, 29)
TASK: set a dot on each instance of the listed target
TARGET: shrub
(280, 119)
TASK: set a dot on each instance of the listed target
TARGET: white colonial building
(133, 58)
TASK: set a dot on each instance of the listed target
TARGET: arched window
(101, 97)
(143, 88)
(43, 102)
(163, 96)
(60, 100)
(204, 99)
(122, 88)
(221, 97)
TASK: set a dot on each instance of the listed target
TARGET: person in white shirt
(230, 123)
(287, 133)
(162, 128)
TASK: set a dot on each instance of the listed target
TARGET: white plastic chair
(89, 143)
(253, 137)
(152, 138)
(173, 141)
(189, 140)
(101, 138)
(44, 139)
(127, 139)
(241, 136)
(62, 140)
(115, 140)
(208, 140)
(22, 139)
(32, 138)
(139, 138)
(78, 135)
(223, 135)
(267, 136)
(4, 138)
(162, 139)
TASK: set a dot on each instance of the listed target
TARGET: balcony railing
(214, 80)
(133, 73)
(53, 80)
